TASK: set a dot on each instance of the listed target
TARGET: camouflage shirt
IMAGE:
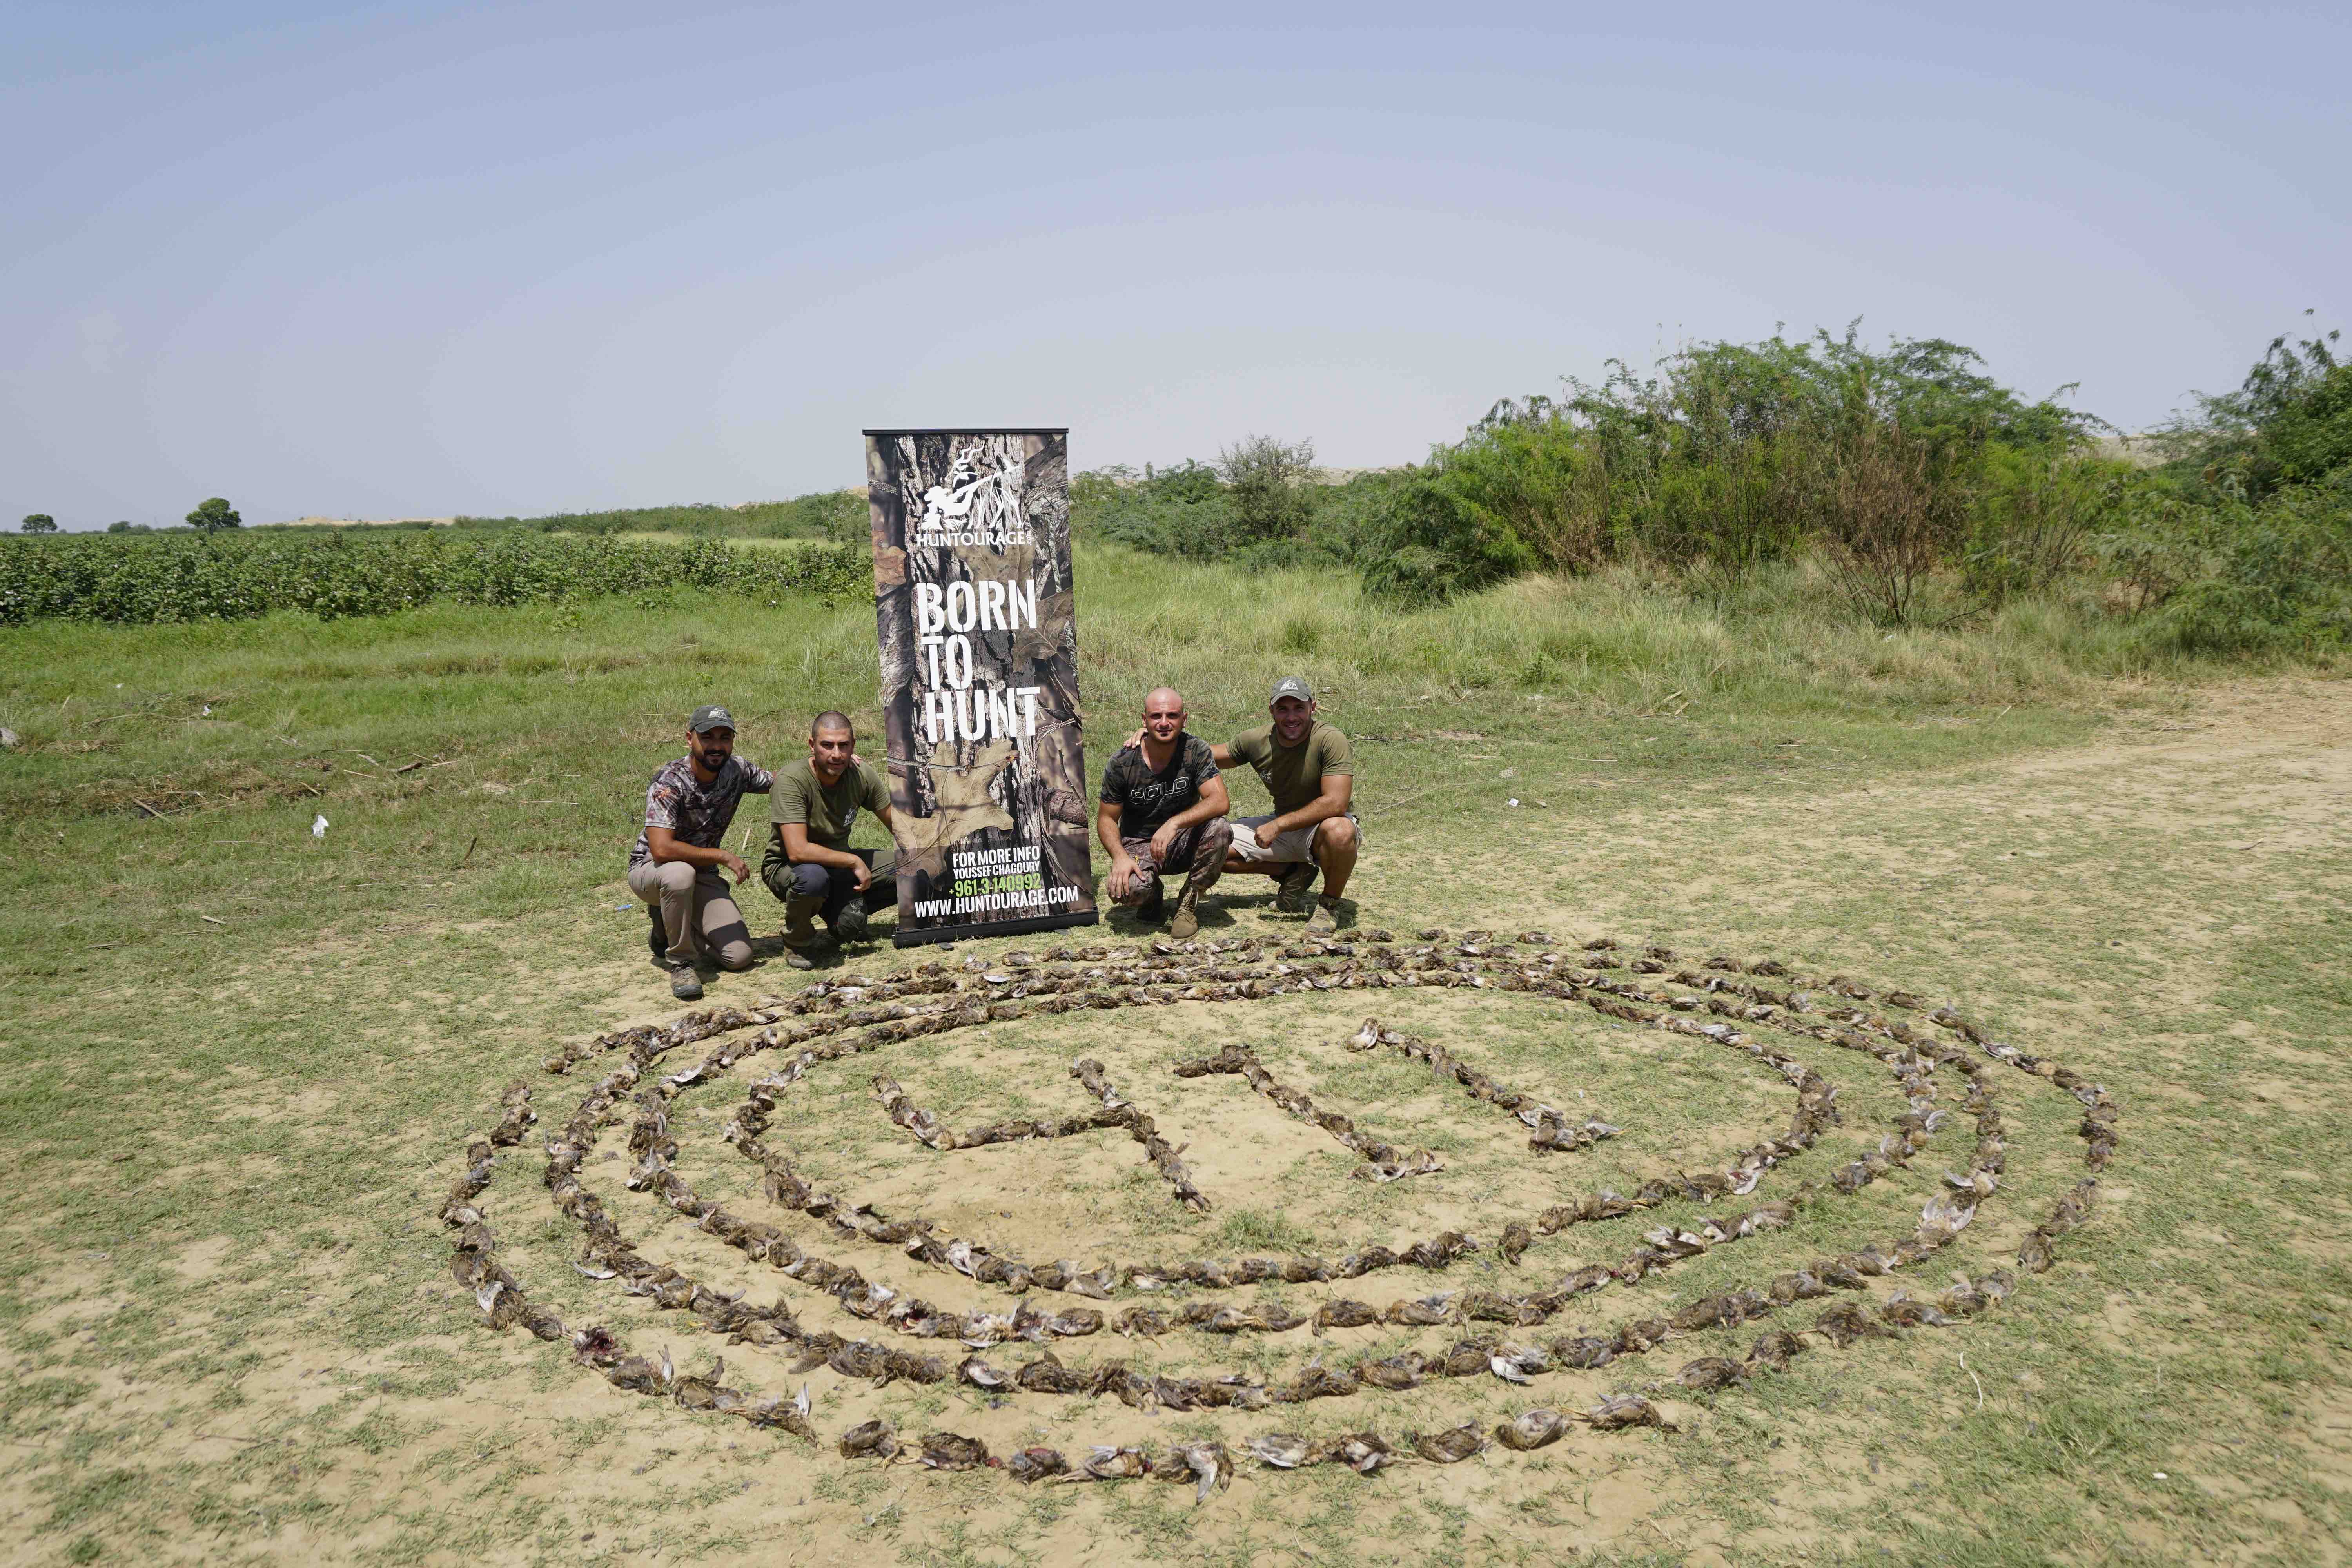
(1147, 799)
(696, 811)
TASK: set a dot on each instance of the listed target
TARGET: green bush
(1431, 540)
(165, 577)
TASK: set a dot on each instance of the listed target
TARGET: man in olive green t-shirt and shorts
(809, 864)
(1310, 769)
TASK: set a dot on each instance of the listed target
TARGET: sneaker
(1325, 918)
(1292, 898)
(685, 983)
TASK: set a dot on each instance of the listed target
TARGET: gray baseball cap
(1290, 686)
(711, 716)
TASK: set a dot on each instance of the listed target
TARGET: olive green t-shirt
(1293, 774)
(828, 813)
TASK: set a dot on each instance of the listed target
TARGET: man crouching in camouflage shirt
(1163, 809)
(677, 864)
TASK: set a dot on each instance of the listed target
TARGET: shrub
(166, 577)
(1432, 541)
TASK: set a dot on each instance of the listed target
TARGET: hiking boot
(685, 983)
(1325, 919)
(657, 938)
(1292, 898)
(800, 920)
(1187, 925)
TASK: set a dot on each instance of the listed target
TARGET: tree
(214, 515)
(40, 522)
(1267, 485)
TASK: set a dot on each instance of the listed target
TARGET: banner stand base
(993, 928)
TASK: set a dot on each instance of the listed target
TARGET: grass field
(244, 1062)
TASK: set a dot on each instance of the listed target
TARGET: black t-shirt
(1147, 799)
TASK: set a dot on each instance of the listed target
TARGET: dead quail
(1111, 1464)
(1362, 1452)
(1449, 1448)
(953, 1451)
(699, 1392)
(1847, 1321)
(1395, 1373)
(636, 1375)
(1617, 1412)
(1426, 1312)
(1212, 1464)
(1532, 1430)
(869, 1439)
(1515, 1239)
(1711, 1372)
(1049, 1375)
(1345, 1314)
(1322, 1382)
(1037, 1463)
(1281, 1450)
(1776, 1349)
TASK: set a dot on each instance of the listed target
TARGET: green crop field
(245, 1061)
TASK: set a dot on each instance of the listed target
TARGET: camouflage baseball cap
(1290, 686)
(711, 716)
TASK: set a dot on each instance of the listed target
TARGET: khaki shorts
(1297, 844)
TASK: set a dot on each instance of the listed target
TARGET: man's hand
(864, 873)
(1268, 831)
(1124, 874)
(1161, 838)
(737, 864)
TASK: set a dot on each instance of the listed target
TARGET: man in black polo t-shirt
(1163, 809)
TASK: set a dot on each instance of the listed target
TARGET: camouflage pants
(1198, 850)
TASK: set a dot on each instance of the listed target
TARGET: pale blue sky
(420, 261)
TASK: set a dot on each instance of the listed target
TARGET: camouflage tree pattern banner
(979, 681)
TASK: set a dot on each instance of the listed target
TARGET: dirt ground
(2165, 911)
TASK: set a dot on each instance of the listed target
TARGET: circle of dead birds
(1720, 1000)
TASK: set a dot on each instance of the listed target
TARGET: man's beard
(711, 760)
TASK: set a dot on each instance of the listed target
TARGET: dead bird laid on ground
(1037, 1463)
(1426, 1312)
(1515, 1239)
(1362, 1452)
(1103, 1464)
(1343, 1313)
(1395, 1373)
(1534, 1429)
(1211, 1464)
(869, 1439)
(1281, 1450)
(1617, 1412)
(953, 1451)
(1711, 1372)
(1449, 1448)
(1847, 1321)
(1049, 1375)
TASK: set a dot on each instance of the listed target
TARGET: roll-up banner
(979, 681)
